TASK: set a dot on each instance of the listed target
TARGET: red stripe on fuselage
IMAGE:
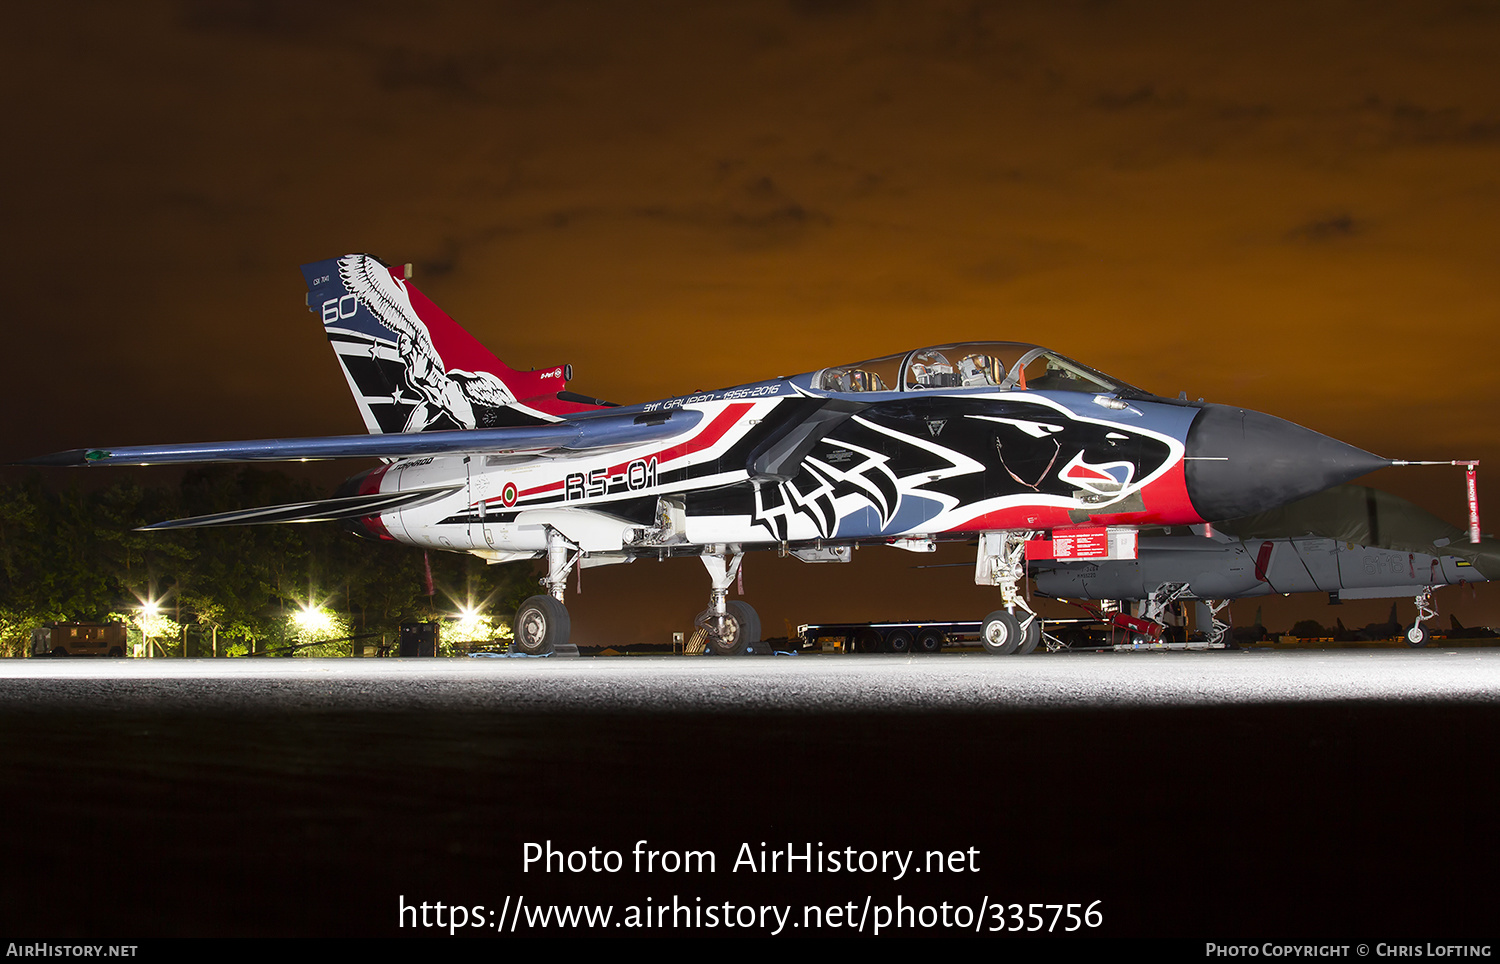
(532, 491)
(709, 436)
(715, 431)
(1166, 504)
(521, 494)
(1018, 517)
(369, 486)
(1165, 498)
(1087, 472)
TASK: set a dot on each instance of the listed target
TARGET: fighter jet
(1350, 541)
(1010, 445)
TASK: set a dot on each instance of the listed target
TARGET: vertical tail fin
(412, 368)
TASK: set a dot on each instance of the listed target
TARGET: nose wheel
(1001, 633)
(1002, 562)
(1418, 635)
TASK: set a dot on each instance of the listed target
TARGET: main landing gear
(542, 625)
(733, 627)
(1002, 562)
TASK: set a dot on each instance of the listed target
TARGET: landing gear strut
(1031, 636)
(1002, 562)
(542, 624)
(1162, 599)
(733, 627)
(1418, 635)
(1218, 630)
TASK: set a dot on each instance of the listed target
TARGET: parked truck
(896, 636)
(1103, 630)
(78, 639)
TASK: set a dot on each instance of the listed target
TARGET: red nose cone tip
(1241, 462)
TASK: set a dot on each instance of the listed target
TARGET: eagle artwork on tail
(440, 392)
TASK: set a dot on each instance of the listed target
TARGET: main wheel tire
(899, 641)
(1417, 636)
(542, 625)
(868, 641)
(1001, 634)
(929, 641)
(742, 626)
(1031, 636)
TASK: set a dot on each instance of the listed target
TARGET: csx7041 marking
(640, 474)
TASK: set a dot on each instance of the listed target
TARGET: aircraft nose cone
(1241, 462)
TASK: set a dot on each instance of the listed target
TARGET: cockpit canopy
(997, 365)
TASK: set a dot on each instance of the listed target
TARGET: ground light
(152, 624)
(313, 620)
(471, 625)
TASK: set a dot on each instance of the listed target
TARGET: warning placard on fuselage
(1100, 542)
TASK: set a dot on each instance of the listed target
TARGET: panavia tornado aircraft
(1350, 541)
(1029, 454)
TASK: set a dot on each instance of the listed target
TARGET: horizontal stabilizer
(317, 510)
(576, 434)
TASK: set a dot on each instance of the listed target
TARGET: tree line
(74, 555)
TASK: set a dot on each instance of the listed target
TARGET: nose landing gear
(1418, 635)
(1002, 562)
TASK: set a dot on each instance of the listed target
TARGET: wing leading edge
(600, 431)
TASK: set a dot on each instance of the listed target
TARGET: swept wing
(573, 435)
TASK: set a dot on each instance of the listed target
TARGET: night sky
(1289, 206)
